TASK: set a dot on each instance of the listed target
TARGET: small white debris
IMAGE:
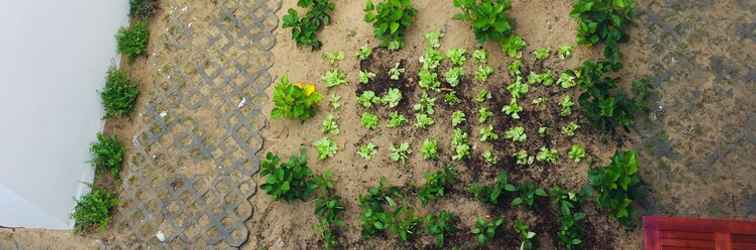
(243, 102)
(190, 25)
(185, 8)
(163, 114)
(160, 236)
(154, 157)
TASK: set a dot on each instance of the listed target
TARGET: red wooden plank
(744, 238)
(685, 248)
(701, 225)
(723, 241)
(743, 246)
(687, 243)
(650, 235)
(687, 235)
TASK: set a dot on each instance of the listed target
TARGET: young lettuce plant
(364, 53)
(527, 237)
(566, 105)
(523, 159)
(577, 153)
(423, 121)
(396, 72)
(516, 134)
(396, 120)
(488, 134)
(460, 144)
(425, 104)
(367, 151)
(482, 96)
(513, 46)
(304, 29)
(484, 231)
(294, 101)
(480, 56)
(330, 125)
(545, 78)
(429, 149)
(368, 98)
(369, 120)
(287, 181)
(488, 18)
(484, 114)
(365, 77)
(400, 153)
(483, 73)
(565, 51)
(490, 158)
(392, 98)
(333, 78)
(567, 80)
(454, 76)
(515, 68)
(335, 102)
(518, 89)
(440, 225)
(542, 53)
(390, 20)
(570, 128)
(457, 56)
(437, 184)
(513, 109)
(333, 58)
(326, 148)
(547, 155)
(458, 118)
(433, 39)
(428, 80)
(451, 98)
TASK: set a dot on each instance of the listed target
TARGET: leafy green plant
(400, 153)
(543, 131)
(334, 57)
(488, 18)
(287, 181)
(392, 98)
(565, 51)
(107, 154)
(522, 158)
(437, 184)
(132, 41)
(428, 80)
(304, 30)
(458, 117)
(515, 68)
(94, 210)
(570, 228)
(548, 155)
(367, 151)
(457, 56)
(483, 72)
(396, 120)
(570, 128)
(454, 76)
(431, 59)
(364, 53)
(142, 9)
(518, 89)
(566, 105)
(334, 77)
(119, 95)
(460, 144)
(294, 101)
(490, 158)
(396, 72)
(326, 148)
(440, 225)
(390, 19)
(480, 56)
(577, 153)
(542, 53)
(513, 109)
(330, 125)
(527, 237)
(335, 102)
(604, 22)
(567, 80)
(516, 134)
(484, 231)
(423, 121)
(369, 120)
(493, 194)
(545, 78)
(488, 134)
(482, 96)
(527, 195)
(368, 98)
(381, 213)
(602, 102)
(365, 77)
(429, 149)
(484, 114)
(328, 207)
(451, 98)
(616, 185)
(425, 104)
(513, 46)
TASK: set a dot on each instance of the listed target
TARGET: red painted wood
(662, 233)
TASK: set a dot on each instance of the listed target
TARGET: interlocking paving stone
(189, 173)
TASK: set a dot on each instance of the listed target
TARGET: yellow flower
(307, 87)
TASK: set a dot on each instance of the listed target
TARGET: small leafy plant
(287, 181)
(390, 19)
(460, 144)
(400, 153)
(437, 184)
(458, 118)
(330, 125)
(513, 109)
(132, 41)
(423, 121)
(527, 237)
(454, 76)
(392, 98)
(493, 194)
(451, 98)
(396, 72)
(440, 225)
(364, 53)
(483, 72)
(333, 78)
(457, 56)
(367, 151)
(328, 207)
(483, 96)
(606, 22)
(365, 77)
(523, 159)
(570, 128)
(335, 102)
(334, 57)
(326, 148)
(488, 134)
(516, 134)
(294, 101)
(616, 185)
(368, 98)
(567, 80)
(577, 153)
(565, 51)
(369, 121)
(602, 102)
(488, 18)
(527, 195)
(142, 9)
(566, 105)
(119, 95)
(484, 231)
(547, 155)
(484, 114)
(433, 39)
(480, 56)
(570, 229)
(93, 210)
(381, 213)
(545, 78)
(542, 53)
(518, 89)
(425, 104)
(396, 120)
(490, 158)
(429, 149)
(304, 30)
(513, 46)
(107, 154)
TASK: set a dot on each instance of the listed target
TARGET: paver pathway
(192, 160)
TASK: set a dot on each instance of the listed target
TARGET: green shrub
(287, 181)
(484, 231)
(527, 195)
(294, 101)
(304, 30)
(94, 210)
(602, 101)
(604, 21)
(107, 154)
(568, 204)
(429, 149)
(493, 194)
(132, 41)
(328, 208)
(616, 185)
(142, 9)
(119, 95)
(441, 225)
(381, 213)
(527, 237)
(488, 18)
(390, 19)
(437, 184)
